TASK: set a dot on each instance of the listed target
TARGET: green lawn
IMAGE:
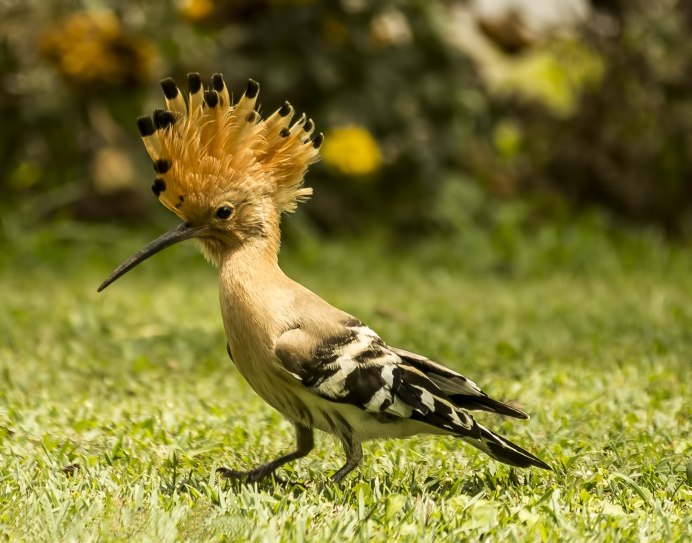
(116, 408)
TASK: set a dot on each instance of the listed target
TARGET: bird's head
(223, 169)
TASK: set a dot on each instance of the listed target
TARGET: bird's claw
(250, 476)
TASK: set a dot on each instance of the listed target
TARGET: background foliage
(597, 116)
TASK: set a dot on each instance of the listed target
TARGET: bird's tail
(504, 450)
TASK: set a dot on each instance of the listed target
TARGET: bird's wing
(354, 366)
(460, 390)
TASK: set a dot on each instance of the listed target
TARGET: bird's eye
(224, 212)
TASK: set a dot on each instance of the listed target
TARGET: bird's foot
(251, 476)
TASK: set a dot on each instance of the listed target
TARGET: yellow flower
(197, 11)
(351, 150)
(219, 12)
(93, 48)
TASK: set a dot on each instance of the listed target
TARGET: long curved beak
(180, 233)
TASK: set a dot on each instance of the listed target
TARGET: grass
(115, 409)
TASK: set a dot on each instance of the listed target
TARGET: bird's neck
(255, 299)
(253, 261)
(252, 286)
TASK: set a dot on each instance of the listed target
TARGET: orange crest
(206, 146)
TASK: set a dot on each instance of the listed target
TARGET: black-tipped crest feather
(146, 126)
(194, 82)
(169, 88)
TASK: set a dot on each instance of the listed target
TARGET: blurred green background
(435, 113)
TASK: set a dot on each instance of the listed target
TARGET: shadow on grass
(199, 485)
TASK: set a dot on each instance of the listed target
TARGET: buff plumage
(229, 174)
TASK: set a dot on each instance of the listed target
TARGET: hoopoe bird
(229, 175)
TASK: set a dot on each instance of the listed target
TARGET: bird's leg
(354, 454)
(305, 443)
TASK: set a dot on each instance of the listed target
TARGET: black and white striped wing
(356, 367)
